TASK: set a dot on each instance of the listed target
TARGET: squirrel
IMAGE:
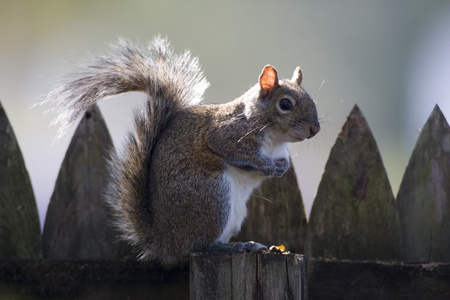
(188, 169)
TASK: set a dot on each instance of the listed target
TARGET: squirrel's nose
(313, 130)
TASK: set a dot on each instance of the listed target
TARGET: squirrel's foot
(250, 247)
(240, 247)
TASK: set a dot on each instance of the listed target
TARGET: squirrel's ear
(297, 77)
(268, 80)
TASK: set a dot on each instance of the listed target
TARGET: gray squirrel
(187, 170)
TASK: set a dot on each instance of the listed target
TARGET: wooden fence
(360, 241)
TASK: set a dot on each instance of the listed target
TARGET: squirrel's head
(291, 113)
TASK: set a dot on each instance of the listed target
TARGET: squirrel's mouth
(305, 133)
(296, 136)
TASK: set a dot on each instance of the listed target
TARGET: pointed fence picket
(355, 217)
(20, 234)
(424, 196)
(78, 225)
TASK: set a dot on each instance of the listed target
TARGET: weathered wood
(354, 215)
(90, 279)
(331, 280)
(20, 233)
(424, 195)
(276, 215)
(247, 276)
(327, 279)
(78, 223)
(244, 287)
(282, 276)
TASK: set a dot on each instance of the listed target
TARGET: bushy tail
(171, 82)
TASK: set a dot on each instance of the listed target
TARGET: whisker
(247, 134)
(319, 89)
(253, 130)
(316, 95)
(254, 123)
(264, 127)
(258, 195)
(331, 111)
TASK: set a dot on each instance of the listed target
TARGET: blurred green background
(392, 58)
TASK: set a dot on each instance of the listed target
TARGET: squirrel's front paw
(276, 167)
(281, 166)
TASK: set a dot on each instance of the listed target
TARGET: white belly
(242, 184)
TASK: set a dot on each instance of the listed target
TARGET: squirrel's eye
(285, 104)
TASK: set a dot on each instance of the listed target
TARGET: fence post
(20, 232)
(424, 195)
(78, 223)
(247, 276)
(354, 215)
